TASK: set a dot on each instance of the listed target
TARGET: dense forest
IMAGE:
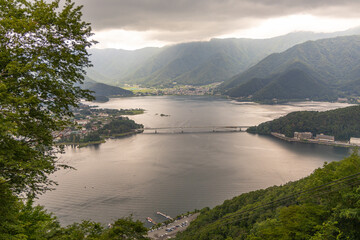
(342, 123)
(324, 205)
(118, 126)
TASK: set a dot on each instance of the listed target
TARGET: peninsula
(93, 125)
(334, 127)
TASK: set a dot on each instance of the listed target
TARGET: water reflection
(176, 173)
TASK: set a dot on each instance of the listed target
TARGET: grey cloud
(203, 30)
(202, 17)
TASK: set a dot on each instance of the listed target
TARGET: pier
(164, 215)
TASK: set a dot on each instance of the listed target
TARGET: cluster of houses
(309, 135)
(187, 90)
(322, 138)
(81, 130)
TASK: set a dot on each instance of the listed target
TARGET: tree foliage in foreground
(342, 123)
(330, 213)
(19, 221)
(43, 51)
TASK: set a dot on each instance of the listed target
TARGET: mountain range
(195, 63)
(315, 69)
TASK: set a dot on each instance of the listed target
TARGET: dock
(314, 141)
(164, 215)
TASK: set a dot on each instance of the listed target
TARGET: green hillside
(297, 82)
(216, 69)
(192, 63)
(342, 123)
(351, 88)
(103, 91)
(334, 62)
(324, 205)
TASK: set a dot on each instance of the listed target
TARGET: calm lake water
(176, 173)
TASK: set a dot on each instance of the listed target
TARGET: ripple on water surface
(176, 173)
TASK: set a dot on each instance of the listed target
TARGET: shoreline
(170, 230)
(86, 144)
(313, 141)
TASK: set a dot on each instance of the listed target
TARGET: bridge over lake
(194, 129)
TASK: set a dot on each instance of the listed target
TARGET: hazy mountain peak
(187, 62)
(317, 65)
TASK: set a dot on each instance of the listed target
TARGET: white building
(303, 135)
(355, 141)
(82, 121)
(323, 137)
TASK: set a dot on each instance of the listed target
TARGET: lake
(176, 173)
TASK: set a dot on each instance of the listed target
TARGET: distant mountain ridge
(324, 67)
(102, 91)
(194, 63)
(109, 63)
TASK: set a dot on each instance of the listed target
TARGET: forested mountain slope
(334, 62)
(324, 205)
(102, 91)
(195, 63)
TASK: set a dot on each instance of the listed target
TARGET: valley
(318, 70)
(206, 120)
(308, 80)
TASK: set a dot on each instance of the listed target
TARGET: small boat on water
(149, 219)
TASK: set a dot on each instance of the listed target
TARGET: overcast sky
(132, 24)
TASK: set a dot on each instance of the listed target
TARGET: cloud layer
(176, 20)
